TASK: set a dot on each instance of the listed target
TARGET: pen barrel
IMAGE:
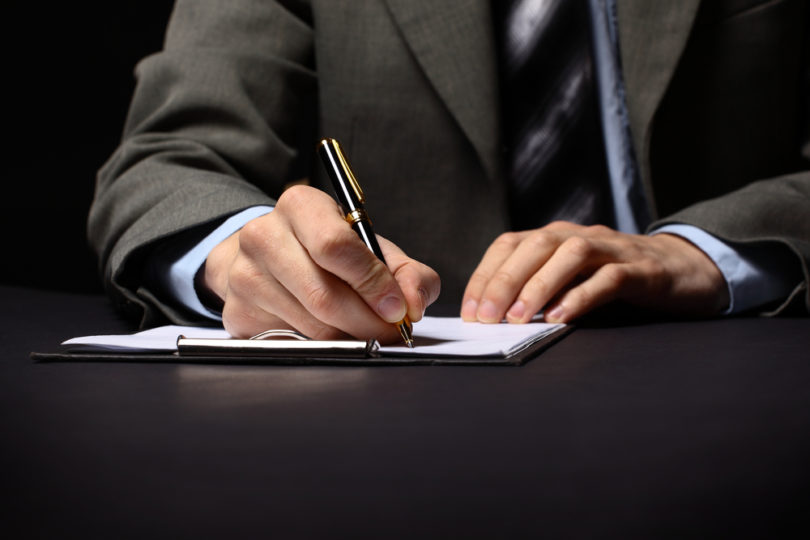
(346, 187)
(364, 231)
(350, 197)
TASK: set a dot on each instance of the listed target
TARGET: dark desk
(662, 429)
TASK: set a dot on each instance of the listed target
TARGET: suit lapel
(453, 43)
(652, 36)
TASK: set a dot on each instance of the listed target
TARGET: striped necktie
(555, 155)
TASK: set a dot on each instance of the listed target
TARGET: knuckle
(557, 224)
(578, 247)
(508, 239)
(599, 230)
(502, 280)
(374, 280)
(616, 275)
(252, 235)
(320, 301)
(294, 197)
(242, 280)
(653, 268)
(540, 240)
(334, 243)
(537, 287)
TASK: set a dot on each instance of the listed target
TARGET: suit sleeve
(728, 150)
(774, 212)
(213, 128)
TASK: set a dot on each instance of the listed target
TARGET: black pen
(351, 198)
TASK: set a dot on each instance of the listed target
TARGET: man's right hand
(303, 267)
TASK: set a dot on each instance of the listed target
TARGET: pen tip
(405, 330)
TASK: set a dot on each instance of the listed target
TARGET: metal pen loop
(280, 333)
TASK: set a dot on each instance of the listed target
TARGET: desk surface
(661, 429)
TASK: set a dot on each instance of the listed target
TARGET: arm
(206, 137)
(212, 130)
(570, 270)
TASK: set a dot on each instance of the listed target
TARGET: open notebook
(438, 340)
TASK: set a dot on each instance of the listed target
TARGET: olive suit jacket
(229, 113)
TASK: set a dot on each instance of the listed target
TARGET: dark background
(68, 81)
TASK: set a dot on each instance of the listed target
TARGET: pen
(351, 198)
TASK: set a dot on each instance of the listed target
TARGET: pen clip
(344, 164)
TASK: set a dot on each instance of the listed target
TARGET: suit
(228, 114)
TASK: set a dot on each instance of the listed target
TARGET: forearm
(203, 138)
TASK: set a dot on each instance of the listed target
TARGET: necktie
(555, 157)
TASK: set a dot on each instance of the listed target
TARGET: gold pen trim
(357, 215)
(347, 170)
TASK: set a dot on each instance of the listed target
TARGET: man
(225, 120)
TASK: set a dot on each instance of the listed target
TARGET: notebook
(438, 340)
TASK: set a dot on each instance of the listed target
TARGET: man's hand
(569, 270)
(303, 267)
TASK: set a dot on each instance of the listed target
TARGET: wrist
(212, 279)
(700, 276)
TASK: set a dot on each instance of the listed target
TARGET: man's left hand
(569, 270)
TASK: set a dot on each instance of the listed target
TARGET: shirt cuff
(179, 280)
(755, 274)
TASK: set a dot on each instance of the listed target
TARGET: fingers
(333, 246)
(418, 282)
(572, 259)
(486, 274)
(523, 271)
(608, 283)
(303, 267)
(257, 303)
(279, 287)
(570, 270)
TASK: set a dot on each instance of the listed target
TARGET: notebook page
(433, 336)
(450, 336)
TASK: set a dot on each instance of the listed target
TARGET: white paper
(450, 336)
(160, 339)
(433, 336)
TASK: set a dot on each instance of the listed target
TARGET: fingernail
(516, 312)
(487, 312)
(392, 309)
(469, 310)
(555, 314)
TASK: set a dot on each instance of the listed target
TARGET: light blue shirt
(753, 280)
(179, 280)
